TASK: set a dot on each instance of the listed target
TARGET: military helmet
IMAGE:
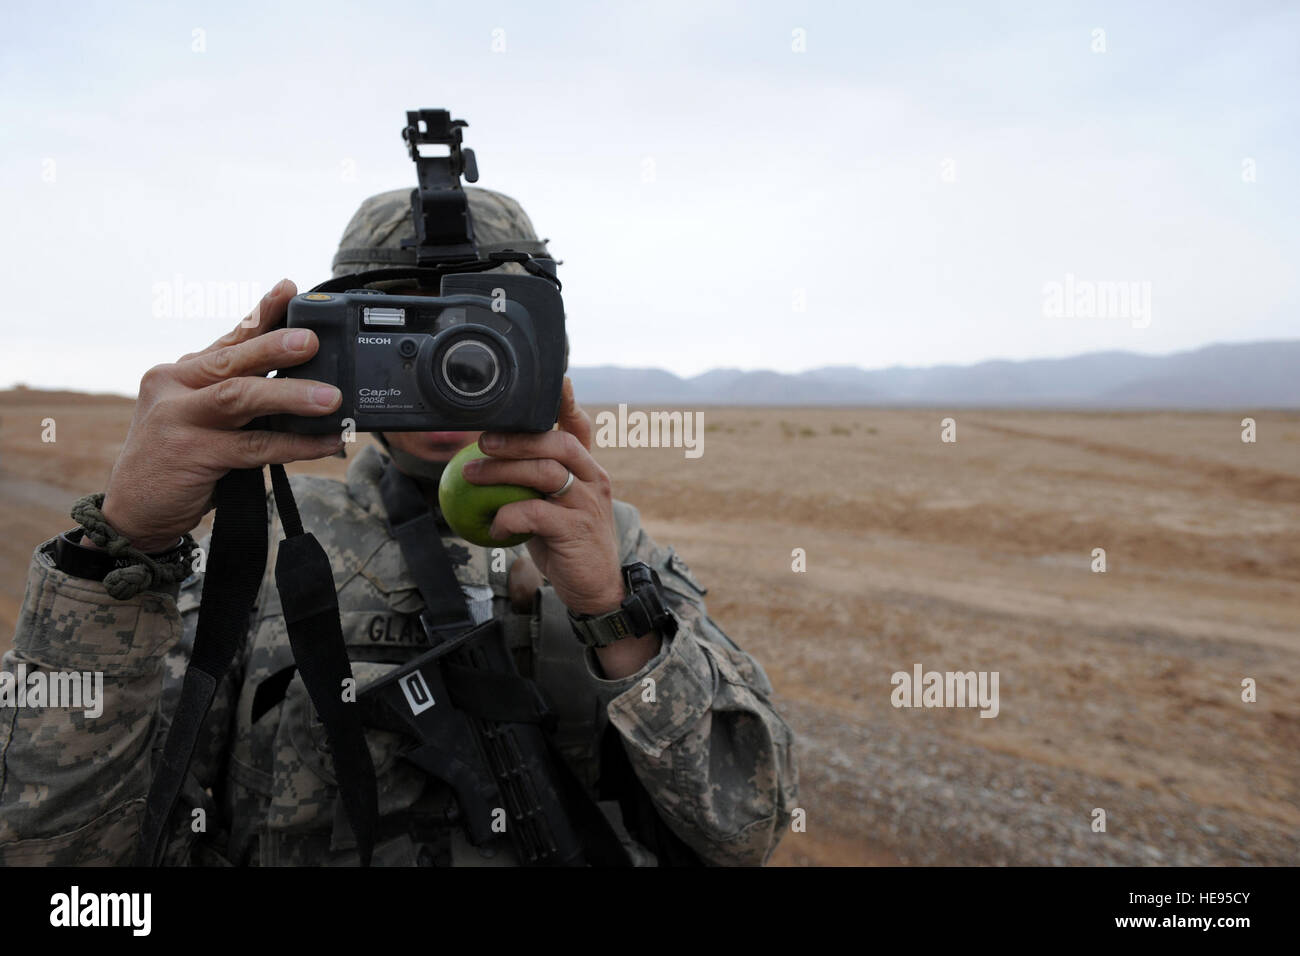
(373, 239)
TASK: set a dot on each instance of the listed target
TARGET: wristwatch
(642, 611)
(94, 564)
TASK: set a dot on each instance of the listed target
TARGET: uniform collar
(363, 480)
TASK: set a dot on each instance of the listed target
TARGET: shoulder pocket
(677, 576)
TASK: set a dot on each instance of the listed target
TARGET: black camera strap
(310, 605)
(237, 559)
(236, 564)
(413, 525)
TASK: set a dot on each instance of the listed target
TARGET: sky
(749, 185)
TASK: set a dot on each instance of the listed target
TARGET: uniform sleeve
(73, 779)
(703, 735)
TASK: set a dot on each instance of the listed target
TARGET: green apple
(469, 508)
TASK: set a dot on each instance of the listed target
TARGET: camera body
(486, 353)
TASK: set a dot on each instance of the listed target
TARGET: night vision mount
(444, 231)
(444, 225)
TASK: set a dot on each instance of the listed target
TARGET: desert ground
(1119, 691)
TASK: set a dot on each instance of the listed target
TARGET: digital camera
(486, 353)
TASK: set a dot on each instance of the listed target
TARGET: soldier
(707, 748)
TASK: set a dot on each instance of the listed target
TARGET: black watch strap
(642, 611)
(94, 564)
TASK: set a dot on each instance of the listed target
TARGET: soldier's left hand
(573, 541)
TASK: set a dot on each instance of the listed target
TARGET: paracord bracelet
(144, 572)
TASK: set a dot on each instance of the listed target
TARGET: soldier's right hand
(185, 433)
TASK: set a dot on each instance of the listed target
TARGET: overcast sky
(913, 180)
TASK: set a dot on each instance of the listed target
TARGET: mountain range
(1245, 375)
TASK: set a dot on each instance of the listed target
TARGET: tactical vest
(279, 790)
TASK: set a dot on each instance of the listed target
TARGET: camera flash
(373, 318)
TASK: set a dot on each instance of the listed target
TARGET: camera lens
(470, 368)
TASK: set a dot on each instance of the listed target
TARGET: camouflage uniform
(710, 749)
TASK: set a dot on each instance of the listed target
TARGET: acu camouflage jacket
(710, 749)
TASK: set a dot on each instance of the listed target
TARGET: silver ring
(564, 489)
